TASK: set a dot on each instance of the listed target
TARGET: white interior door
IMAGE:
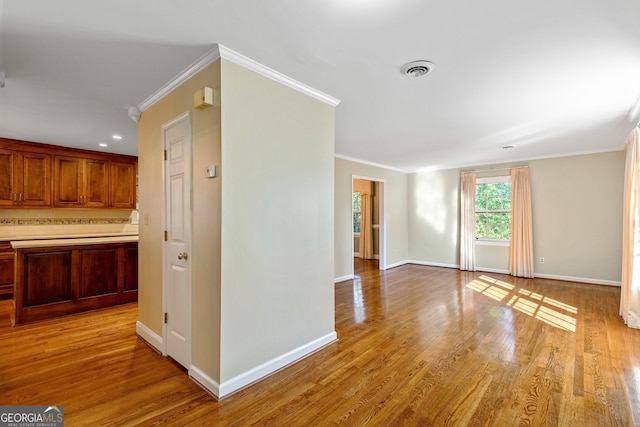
(177, 295)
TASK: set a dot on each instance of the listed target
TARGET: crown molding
(365, 162)
(220, 51)
(183, 76)
(272, 74)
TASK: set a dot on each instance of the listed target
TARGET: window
(356, 212)
(493, 208)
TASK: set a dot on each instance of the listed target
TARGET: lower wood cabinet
(7, 258)
(56, 281)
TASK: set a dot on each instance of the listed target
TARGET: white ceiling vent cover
(417, 68)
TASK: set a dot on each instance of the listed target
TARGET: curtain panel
(630, 292)
(468, 221)
(366, 227)
(521, 248)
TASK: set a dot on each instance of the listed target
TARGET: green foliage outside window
(493, 211)
(356, 212)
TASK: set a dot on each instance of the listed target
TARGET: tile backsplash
(63, 221)
(40, 223)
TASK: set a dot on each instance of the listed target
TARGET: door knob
(183, 255)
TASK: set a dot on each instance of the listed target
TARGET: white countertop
(69, 241)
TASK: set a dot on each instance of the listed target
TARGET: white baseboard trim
(273, 365)
(205, 381)
(343, 278)
(492, 270)
(433, 264)
(149, 336)
(397, 264)
(579, 279)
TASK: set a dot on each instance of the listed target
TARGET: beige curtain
(366, 229)
(365, 188)
(630, 292)
(521, 249)
(468, 221)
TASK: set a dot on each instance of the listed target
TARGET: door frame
(165, 247)
(382, 262)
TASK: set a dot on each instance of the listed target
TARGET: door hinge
(165, 154)
(166, 318)
(166, 235)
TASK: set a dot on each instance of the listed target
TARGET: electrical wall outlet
(541, 260)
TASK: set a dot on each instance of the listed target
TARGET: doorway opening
(368, 220)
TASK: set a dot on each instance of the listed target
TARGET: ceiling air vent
(417, 68)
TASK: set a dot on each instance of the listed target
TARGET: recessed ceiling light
(417, 68)
(103, 144)
(117, 137)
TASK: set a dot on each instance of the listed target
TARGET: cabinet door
(6, 273)
(67, 181)
(98, 272)
(8, 175)
(36, 179)
(96, 183)
(130, 268)
(123, 185)
(25, 178)
(47, 278)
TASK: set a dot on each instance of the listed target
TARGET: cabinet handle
(20, 195)
(183, 255)
(15, 197)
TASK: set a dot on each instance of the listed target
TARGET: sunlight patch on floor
(530, 303)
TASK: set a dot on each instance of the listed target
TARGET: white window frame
(494, 180)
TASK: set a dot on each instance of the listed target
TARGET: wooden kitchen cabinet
(25, 179)
(130, 268)
(80, 182)
(59, 280)
(123, 185)
(40, 176)
(7, 258)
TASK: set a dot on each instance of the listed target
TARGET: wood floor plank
(418, 346)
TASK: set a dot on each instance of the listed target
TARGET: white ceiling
(550, 77)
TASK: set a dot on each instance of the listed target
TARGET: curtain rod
(492, 170)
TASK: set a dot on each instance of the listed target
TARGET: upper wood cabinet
(40, 175)
(80, 182)
(123, 185)
(25, 178)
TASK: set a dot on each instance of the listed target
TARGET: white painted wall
(205, 217)
(277, 220)
(577, 217)
(577, 213)
(395, 208)
(434, 216)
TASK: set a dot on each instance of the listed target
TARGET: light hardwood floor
(419, 346)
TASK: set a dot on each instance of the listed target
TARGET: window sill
(491, 242)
